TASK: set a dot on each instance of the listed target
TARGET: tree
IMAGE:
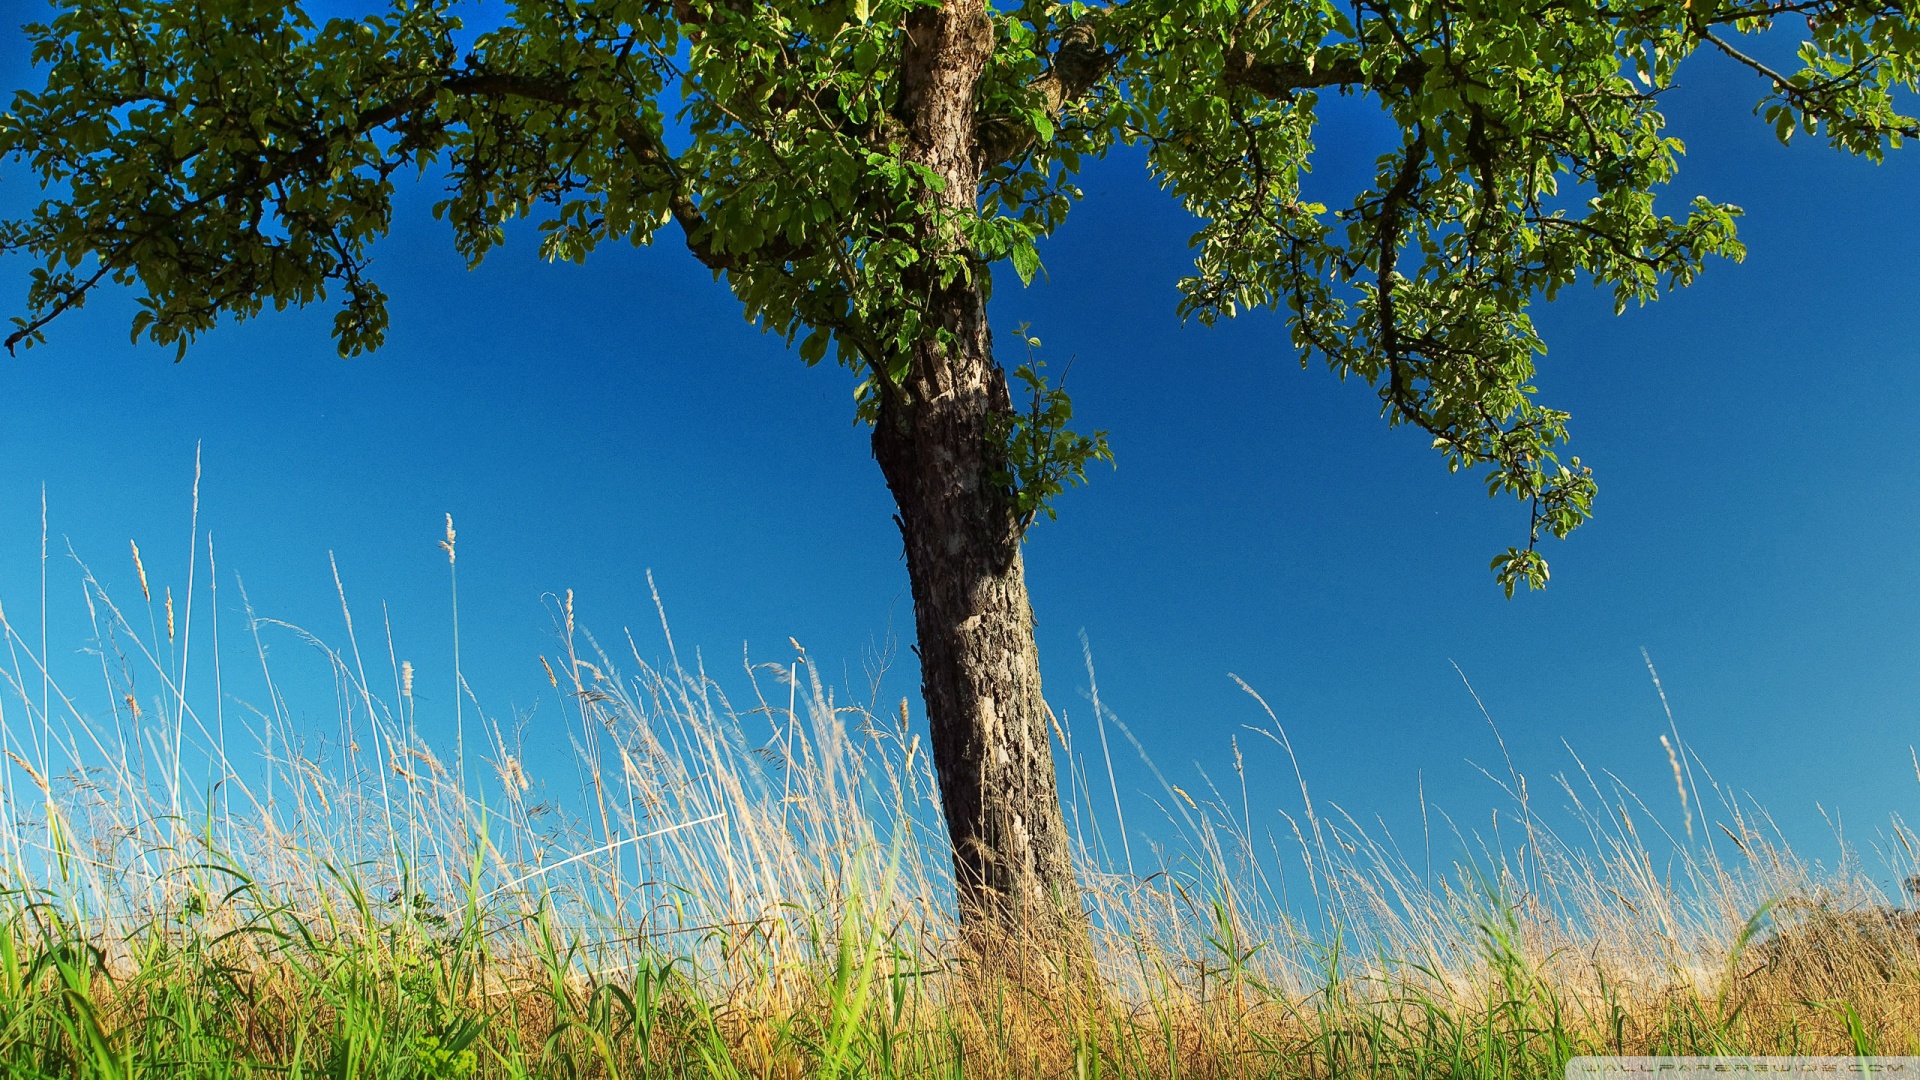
(856, 170)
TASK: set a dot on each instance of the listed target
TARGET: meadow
(745, 876)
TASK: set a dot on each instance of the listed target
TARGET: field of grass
(196, 883)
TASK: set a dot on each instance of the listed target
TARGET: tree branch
(72, 298)
(640, 142)
(1283, 79)
(1086, 54)
(1079, 62)
(1808, 98)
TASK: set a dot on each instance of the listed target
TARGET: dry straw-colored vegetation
(197, 883)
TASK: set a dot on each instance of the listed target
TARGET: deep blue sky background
(1758, 530)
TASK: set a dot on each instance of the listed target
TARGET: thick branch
(640, 142)
(1087, 53)
(1080, 61)
(1283, 79)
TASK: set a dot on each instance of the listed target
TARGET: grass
(759, 889)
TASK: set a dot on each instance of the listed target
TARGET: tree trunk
(934, 441)
(979, 668)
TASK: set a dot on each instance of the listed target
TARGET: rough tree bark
(934, 442)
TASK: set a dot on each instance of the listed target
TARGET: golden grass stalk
(761, 888)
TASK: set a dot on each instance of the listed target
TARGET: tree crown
(224, 155)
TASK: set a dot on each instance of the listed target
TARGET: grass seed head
(792, 917)
(38, 780)
(140, 569)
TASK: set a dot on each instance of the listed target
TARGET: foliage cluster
(225, 156)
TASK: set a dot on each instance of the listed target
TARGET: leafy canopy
(220, 156)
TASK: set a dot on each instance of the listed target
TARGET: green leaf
(1026, 261)
(1042, 125)
(814, 348)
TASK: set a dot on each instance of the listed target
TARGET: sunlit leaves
(1044, 457)
(222, 156)
(1533, 157)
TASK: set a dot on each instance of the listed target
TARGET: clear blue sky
(1758, 530)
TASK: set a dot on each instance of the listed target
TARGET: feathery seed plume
(1679, 784)
(447, 544)
(39, 781)
(169, 613)
(141, 569)
(512, 777)
(406, 678)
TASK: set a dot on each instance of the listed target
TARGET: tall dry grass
(199, 884)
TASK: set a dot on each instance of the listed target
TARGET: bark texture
(935, 443)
